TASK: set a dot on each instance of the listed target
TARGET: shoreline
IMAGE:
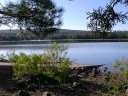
(60, 41)
(72, 65)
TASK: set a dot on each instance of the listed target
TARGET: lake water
(80, 53)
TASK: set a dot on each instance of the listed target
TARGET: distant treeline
(13, 35)
(90, 35)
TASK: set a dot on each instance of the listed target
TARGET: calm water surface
(80, 53)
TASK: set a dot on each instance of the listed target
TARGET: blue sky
(74, 16)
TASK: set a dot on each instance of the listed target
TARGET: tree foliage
(32, 15)
(104, 18)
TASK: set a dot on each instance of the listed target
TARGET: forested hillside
(61, 34)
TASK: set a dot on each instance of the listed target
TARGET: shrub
(53, 63)
(116, 82)
(24, 64)
(122, 66)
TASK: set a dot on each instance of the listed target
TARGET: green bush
(122, 66)
(25, 64)
(116, 82)
(53, 62)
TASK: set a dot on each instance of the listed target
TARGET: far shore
(60, 41)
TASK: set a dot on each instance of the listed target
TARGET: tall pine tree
(38, 16)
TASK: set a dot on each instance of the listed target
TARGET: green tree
(38, 16)
(105, 18)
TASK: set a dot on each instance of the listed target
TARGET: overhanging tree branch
(38, 16)
(13, 14)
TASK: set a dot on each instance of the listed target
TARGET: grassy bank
(94, 83)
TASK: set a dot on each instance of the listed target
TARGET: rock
(3, 60)
(75, 84)
(46, 93)
(22, 93)
(126, 92)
